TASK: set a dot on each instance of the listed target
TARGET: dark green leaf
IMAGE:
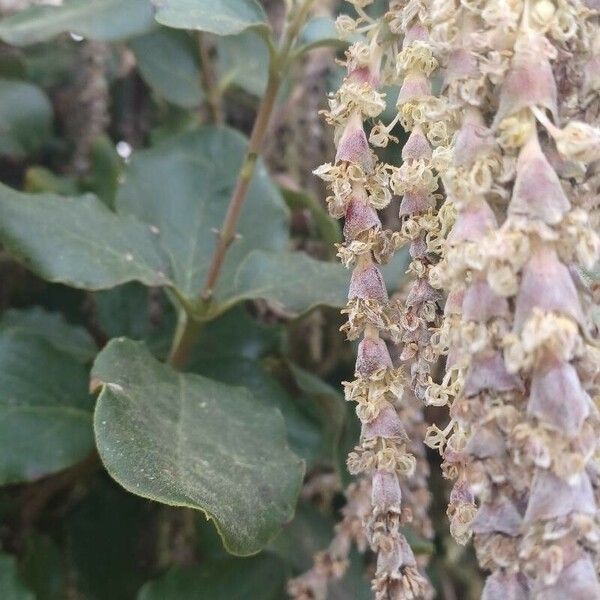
(11, 586)
(328, 228)
(105, 20)
(189, 441)
(45, 411)
(183, 186)
(52, 327)
(39, 180)
(299, 541)
(105, 168)
(43, 569)
(258, 578)
(236, 335)
(108, 543)
(328, 408)
(303, 432)
(319, 32)
(25, 117)
(225, 17)
(167, 62)
(292, 281)
(139, 313)
(79, 241)
(243, 60)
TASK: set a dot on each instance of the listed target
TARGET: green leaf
(319, 32)
(79, 241)
(139, 313)
(225, 17)
(258, 578)
(167, 62)
(105, 169)
(43, 569)
(40, 179)
(292, 281)
(328, 228)
(45, 410)
(328, 408)
(109, 541)
(302, 431)
(183, 186)
(299, 541)
(25, 118)
(237, 350)
(10, 583)
(186, 440)
(104, 20)
(243, 60)
(52, 327)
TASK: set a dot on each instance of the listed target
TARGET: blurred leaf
(104, 20)
(185, 440)
(243, 60)
(53, 328)
(319, 32)
(225, 17)
(45, 410)
(139, 313)
(168, 64)
(25, 118)
(328, 228)
(295, 282)
(39, 180)
(328, 408)
(302, 538)
(79, 241)
(237, 335)
(11, 586)
(105, 168)
(107, 541)
(258, 578)
(292, 281)
(182, 186)
(43, 569)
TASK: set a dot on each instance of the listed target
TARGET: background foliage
(124, 126)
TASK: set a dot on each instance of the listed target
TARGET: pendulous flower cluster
(522, 365)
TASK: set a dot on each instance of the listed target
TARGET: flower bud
(556, 397)
(386, 425)
(504, 585)
(372, 356)
(359, 218)
(499, 516)
(353, 146)
(367, 284)
(577, 580)
(386, 494)
(480, 303)
(415, 88)
(488, 373)
(546, 284)
(462, 64)
(552, 497)
(415, 201)
(417, 146)
(529, 82)
(538, 193)
(473, 222)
